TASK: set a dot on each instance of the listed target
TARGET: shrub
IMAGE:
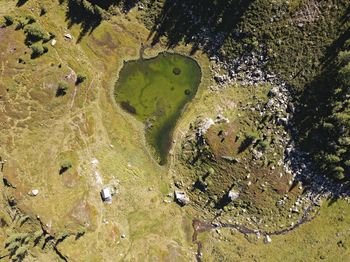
(65, 166)
(347, 163)
(344, 74)
(37, 234)
(338, 170)
(88, 6)
(35, 33)
(80, 78)
(344, 57)
(263, 145)
(99, 11)
(345, 141)
(210, 171)
(252, 136)
(52, 35)
(338, 173)
(20, 24)
(328, 126)
(43, 10)
(13, 246)
(38, 50)
(332, 159)
(15, 237)
(21, 252)
(9, 20)
(30, 19)
(61, 89)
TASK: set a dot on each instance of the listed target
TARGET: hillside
(162, 130)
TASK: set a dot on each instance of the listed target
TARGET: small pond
(155, 92)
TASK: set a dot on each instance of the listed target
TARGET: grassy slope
(86, 122)
(326, 238)
(33, 148)
(235, 103)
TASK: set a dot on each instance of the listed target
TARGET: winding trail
(203, 226)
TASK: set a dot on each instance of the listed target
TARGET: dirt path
(203, 226)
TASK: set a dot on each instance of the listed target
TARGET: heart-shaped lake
(155, 91)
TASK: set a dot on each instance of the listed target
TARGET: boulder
(273, 92)
(68, 36)
(233, 194)
(280, 203)
(267, 239)
(181, 198)
(106, 194)
(257, 154)
(282, 121)
(33, 192)
(295, 210)
(205, 125)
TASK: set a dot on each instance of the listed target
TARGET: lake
(155, 91)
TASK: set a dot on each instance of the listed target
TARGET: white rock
(295, 210)
(34, 192)
(68, 36)
(53, 42)
(181, 197)
(106, 195)
(257, 154)
(267, 239)
(94, 162)
(280, 202)
(205, 125)
(233, 194)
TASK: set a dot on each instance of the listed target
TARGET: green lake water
(155, 92)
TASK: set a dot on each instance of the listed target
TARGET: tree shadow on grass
(21, 2)
(126, 5)
(205, 24)
(245, 144)
(89, 13)
(88, 20)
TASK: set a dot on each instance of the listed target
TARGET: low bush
(34, 33)
(30, 19)
(65, 165)
(62, 89)
(21, 23)
(43, 10)
(80, 78)
(9, 20)
(38, 50)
